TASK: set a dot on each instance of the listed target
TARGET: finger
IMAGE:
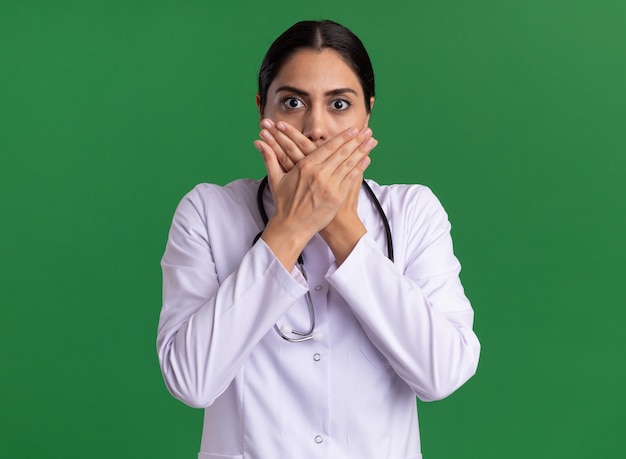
(301, 142)
(333, 145)
(274, 170)
(359, 145)
(282, 157)
(293, 144)
(363, 164)
(357, 161)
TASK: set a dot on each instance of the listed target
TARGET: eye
(292, 103)
(340, 104)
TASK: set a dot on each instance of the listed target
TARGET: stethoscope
(310, 334)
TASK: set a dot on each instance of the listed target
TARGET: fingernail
(371, 143)
(352, 132)
(266, 123)
(257, 145)
(266, 135)
(281, 126)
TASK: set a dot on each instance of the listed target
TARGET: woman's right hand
(308, 196)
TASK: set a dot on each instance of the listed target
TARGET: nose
(315, 126)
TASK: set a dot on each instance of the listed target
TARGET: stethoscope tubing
(310, 333)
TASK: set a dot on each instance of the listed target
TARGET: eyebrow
(301, 92)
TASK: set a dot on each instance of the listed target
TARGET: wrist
(286, 242)
(342, 235)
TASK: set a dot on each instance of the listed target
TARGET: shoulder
(236, 190)
(413, 198)
(206, 197)
(209, 204)
(211, 212)
(413, 211)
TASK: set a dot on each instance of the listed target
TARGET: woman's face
(318, 94)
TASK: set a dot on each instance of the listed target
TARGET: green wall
(514, 113)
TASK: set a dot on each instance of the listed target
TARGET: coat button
(317, 357)
(318, 288)
(318, 439)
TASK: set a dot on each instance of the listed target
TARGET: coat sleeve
(208, 326)
(417, 315)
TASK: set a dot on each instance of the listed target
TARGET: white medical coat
(389, 331)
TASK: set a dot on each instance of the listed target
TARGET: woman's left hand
(289, 144)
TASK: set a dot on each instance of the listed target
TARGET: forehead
(311, 70)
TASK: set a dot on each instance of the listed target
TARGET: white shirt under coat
(388, 331)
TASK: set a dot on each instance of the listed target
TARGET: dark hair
(317, 35)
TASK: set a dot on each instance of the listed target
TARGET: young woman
(305, 312)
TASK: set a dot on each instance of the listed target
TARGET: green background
(514, 113)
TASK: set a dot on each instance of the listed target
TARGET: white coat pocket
(372, 354)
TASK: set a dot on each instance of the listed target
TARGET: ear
(258, 105)
(371, 107)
